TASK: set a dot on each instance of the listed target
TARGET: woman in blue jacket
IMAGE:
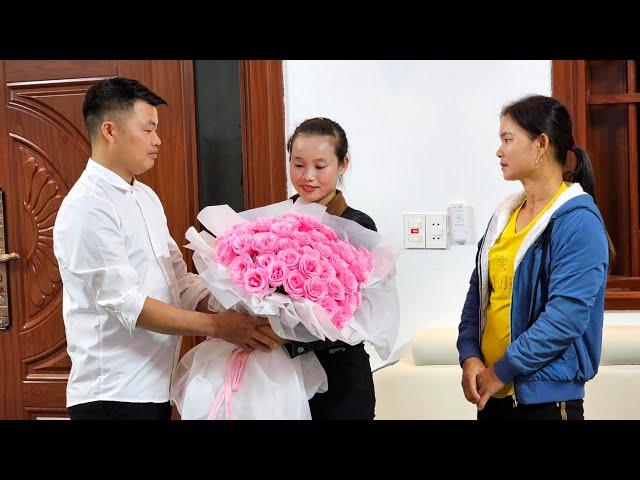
(531, 327)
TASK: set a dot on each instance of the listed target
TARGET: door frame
(263, 139)
(263, 135)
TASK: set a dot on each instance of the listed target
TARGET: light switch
(436, 231)
(414, 230)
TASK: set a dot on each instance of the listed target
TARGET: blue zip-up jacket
(556, 337)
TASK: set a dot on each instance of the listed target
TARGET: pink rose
(335, 289)
(366, 259)
(308, 223)
(323, 249)
(294, 284)
(241, 243)
(308, 250)
(315, 288)
(255, 281)
(310, 265)
(326, 270)
(262, 224)
(329, 233)
(295, 245)
(353, 302)
(224, 252)
(347, 308)
(285, 243)
(265, 259)
(276, 273)
(359, 271)
(341, 317)
(239, 266)
(318, 237)
(302, 238)
(282, 229)
(264, 242)
(330, 305)
(289, 257)
(337, 263)
(355, 253)
(345, 251)
(349, 281)
(292, 220)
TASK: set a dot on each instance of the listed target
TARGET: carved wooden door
(43, 150)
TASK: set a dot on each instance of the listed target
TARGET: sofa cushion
(435, 346)
(620, 345)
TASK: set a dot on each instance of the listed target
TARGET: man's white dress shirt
(114, 249)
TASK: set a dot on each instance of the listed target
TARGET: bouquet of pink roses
(299, 256)
(313, 275)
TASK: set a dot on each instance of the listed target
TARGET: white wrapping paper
(274, 385)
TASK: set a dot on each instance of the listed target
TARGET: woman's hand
(488, 384)
(471, 367)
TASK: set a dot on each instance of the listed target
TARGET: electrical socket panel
(436, 230)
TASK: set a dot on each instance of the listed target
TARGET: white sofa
(425, 385)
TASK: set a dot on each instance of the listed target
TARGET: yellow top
(497, 333)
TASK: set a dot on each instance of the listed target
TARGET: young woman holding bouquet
(318, 157)
(306, 264)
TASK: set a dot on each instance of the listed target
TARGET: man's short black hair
(114, 95)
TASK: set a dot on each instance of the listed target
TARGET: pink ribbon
(233, 377)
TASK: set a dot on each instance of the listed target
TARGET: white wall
(422, 135)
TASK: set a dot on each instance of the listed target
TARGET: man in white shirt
(127, 295)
